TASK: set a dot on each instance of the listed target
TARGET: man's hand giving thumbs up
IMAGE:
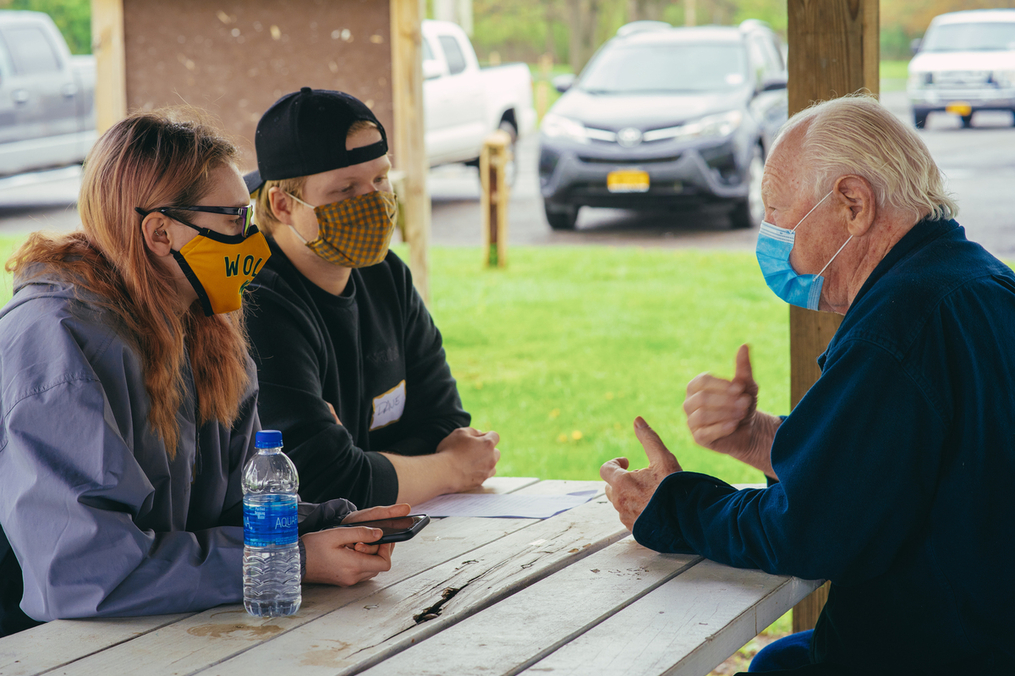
(630, 491)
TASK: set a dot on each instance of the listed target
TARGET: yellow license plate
(627, 181)
(959, 108)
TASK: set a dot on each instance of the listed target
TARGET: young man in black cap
(350, 363)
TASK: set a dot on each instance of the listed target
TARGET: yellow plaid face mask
(353, 233)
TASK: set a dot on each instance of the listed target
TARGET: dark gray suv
(663, 118)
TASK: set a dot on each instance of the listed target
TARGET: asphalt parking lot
(979, 164)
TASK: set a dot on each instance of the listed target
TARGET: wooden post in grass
(833, 51)
(543, 85)
(495, 195)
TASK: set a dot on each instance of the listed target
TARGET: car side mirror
(773, 83)
(914, 46)
(432, 69)
(563, 82)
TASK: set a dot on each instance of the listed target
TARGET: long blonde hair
(150, 160)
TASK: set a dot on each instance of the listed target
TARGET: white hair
(857, 135)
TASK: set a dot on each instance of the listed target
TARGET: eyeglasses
(244, 215)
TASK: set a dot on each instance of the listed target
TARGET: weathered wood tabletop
(573, 594)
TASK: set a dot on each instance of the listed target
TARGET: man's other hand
(630, 491)
(720, 412)
(723, 415)
(472, 457)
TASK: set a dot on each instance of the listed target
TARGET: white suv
(965, 63)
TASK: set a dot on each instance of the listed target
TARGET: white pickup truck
(47, 96)
(464, 103)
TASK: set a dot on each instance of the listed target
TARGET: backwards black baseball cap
(304, 133)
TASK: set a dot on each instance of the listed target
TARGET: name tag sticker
(388, 407)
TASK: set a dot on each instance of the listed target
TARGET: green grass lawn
(8, 243)
(562, 349)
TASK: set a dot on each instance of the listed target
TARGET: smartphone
(395, 530)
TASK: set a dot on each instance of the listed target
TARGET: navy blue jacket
(895, 470)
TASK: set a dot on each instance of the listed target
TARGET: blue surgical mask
(774, 246)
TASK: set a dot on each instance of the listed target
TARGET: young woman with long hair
(128, 401)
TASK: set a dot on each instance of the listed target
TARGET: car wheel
(511, 169)
(967, 121)
(561, 217)
(750, 212)
(919, 119)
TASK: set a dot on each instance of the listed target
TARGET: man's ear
(153, 227)
(281, 205)
(855, 199)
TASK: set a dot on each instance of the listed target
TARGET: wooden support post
(495, 195)
(410, 153)
(543, 85)
(833, 51)
(110, 63)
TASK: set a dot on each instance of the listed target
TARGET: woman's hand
(341, 556)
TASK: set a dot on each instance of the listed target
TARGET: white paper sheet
(509, 505)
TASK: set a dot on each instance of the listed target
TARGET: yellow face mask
(354, 233)
(220, 267)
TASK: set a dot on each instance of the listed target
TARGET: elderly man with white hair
(892, 476)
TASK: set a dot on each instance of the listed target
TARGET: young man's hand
(472, 457)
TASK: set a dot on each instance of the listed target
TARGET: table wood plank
(685, 627)
(525, 627)
(362, 634)
(54, 644)
(206, 638)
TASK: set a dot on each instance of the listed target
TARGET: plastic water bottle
(271, 554)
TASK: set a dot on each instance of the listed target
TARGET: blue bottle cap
(268, 439)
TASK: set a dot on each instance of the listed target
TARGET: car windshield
(970, 37)
(666, 68)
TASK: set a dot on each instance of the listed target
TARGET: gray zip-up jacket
(101, 521)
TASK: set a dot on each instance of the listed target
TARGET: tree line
(72, 17)
(571, 30)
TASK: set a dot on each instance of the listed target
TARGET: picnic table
(572, 594)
